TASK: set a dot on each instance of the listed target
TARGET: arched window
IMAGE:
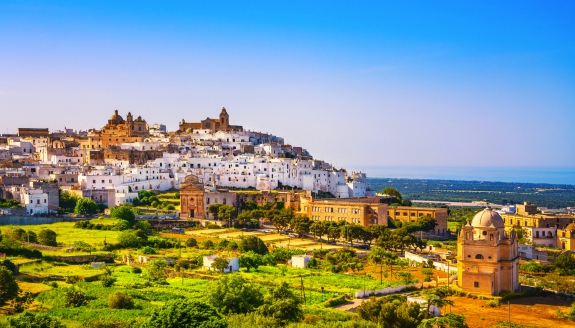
(479, 257)
(484, 233)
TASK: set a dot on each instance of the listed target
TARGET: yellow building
(566, 238)
(363, 211)
(487, 257)
(410, 214)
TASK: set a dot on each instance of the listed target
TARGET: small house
(143, 259)
(233, 263)
(300, 261)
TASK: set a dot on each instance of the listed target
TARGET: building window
(479, 257)
(476, 284)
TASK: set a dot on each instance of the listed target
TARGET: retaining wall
(31, 220)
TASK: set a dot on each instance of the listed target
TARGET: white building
(233, 263)
(300, 261)
(36, 201)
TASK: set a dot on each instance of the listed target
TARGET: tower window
(476, 284)
(479, 257)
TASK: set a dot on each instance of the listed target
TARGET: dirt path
(528, 311)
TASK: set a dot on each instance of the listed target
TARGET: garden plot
(67, 234)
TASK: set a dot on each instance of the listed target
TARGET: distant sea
(502, 174)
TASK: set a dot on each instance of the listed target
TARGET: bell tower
(224, 119)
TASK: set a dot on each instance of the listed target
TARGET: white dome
(486, 218)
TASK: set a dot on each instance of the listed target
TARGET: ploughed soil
(527, 311)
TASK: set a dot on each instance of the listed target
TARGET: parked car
(268, 231)
(293, 235)
(331, 242)
(362, 246)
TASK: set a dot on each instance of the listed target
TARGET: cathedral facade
(215, 125)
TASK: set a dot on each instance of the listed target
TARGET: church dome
(486, 218)
(116, 118)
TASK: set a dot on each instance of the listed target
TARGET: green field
(320, 285)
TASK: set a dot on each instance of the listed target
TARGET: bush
(149, 250)
(207, 244)
(170, 207)
(121, 225)
(75, 298)
(213, 226)
(47, 237)
(8, 285)
(185, 313)
(36, 320)
(129, 239)
(493, 303)
(107, 281)
(136, 270)
(191, 242)
(120, 300)
(124, 213)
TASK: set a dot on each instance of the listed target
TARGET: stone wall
(31, 220)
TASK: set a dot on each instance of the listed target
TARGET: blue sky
(410, 83)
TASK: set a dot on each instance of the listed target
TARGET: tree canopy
(85, 206)
(183, 313)
(282, 304)
(124, 213)
(233, 294)
(8, 285)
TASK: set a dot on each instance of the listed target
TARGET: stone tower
(224, 119)
(487, 257)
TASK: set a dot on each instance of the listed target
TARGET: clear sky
(403, 83)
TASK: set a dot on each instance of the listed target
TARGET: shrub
(207, 244)
(170, 207)
(493, 303)
(136, 270)
(47, 237)
(213, 226)
(129, 239)
(36, 320)
(191, 242)
(120, 300)
(75, 298)
(8, 285)
(107, 281)
(149, 250)
(121, 225)
(185, 313)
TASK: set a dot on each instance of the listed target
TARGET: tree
(281, 218)
(244, 217)
(300, 225)
(450, 320)
(128, 238)
(250, 260)
(34, 320)
(214, 209)
(143, 225)
(392, 192)
(252, 243)
(47, 237)
(436, 297)
(156, 270)
(333, 232)
(85, 206)
(427, 273)
(282, 305)
(220, 263)
(391, 312)
(124, 213)
(233, 294)
(227, 213)
(8, 285)
(319, 228)
(377, 256)
(67, 201)
(183, 313)
(249, 205)
(565, 263)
